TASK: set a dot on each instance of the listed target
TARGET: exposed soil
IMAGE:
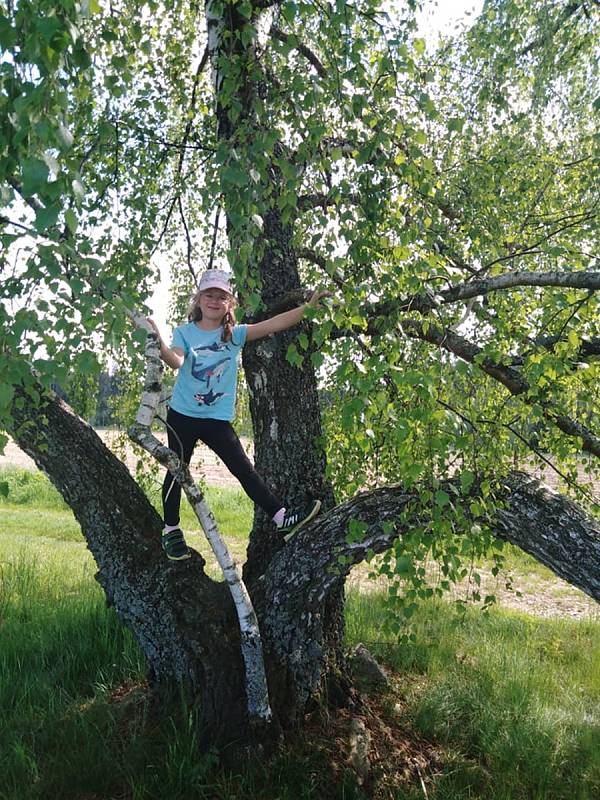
(204, 463)
(396, 757)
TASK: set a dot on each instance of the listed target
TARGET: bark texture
(553, 529)
(185, 622)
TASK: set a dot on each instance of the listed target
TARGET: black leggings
(222, 440)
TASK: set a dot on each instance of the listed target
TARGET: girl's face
(214, 304)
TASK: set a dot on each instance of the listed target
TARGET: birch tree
(449, 199)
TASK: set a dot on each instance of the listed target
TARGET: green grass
(30, 492)
(25, 487)
(516, 698)
(511, 702)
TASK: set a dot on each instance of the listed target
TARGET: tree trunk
(185, 622)
(284, 403)
(289, 454)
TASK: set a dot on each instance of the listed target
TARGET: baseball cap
(215, 279)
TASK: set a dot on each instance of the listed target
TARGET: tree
(451, 200)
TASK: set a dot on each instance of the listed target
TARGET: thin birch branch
(293, 41)
(256, 682)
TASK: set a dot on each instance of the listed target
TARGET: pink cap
(215, 279)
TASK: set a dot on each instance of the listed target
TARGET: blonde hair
(228, 321)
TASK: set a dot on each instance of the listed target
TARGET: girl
(206, 353)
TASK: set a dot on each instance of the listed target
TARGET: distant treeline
(95, 398)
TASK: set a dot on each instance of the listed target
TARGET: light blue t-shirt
(206, 383)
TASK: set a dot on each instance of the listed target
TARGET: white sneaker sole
(315, 510)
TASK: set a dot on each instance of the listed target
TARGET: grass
(29, 492)
(511, 702)
(517, 696)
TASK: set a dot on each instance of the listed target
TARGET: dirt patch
(204, 463)
(398, 760)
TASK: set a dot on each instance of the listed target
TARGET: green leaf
(293, 356)
(466, 480)
(442, 498)
(71, 220)
(401, 253)
(356, 531)
(234, 176)
(456, 124)
(34, 176)
(7, 393)
(3, 489)
(8, 35)
(289, 11)
(87, 363)
(46, 217)
(403, 566)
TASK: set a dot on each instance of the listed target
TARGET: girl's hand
(316, 297)
(154, 327)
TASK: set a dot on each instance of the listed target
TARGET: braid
(228, 323)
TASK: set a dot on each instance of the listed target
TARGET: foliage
(396, 175)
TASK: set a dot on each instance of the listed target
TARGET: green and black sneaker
(174, 545)
(295, 518)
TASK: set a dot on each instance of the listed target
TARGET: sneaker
(295, 518)
(174, 545)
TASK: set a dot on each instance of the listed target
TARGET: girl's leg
(223, 440)
(182, 437)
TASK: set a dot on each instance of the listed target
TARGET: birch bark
(251, 644)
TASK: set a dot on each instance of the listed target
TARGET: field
(502, 707)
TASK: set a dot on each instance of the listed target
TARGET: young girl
(206, 352)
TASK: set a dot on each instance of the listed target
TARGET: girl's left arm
(282, 322)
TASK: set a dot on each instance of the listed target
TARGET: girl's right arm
(173, 356)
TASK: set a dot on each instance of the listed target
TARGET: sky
(441, 17)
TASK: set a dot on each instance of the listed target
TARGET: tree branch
(425, 302)
(302, 575)
(573, 280)
(188, 240)
(292, 40)
(311, 255)
(32, 202)
(508, 376)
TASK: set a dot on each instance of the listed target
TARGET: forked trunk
(185, 622)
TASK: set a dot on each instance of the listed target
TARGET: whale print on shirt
(214, 371)
(208, 399)
(215, 347)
